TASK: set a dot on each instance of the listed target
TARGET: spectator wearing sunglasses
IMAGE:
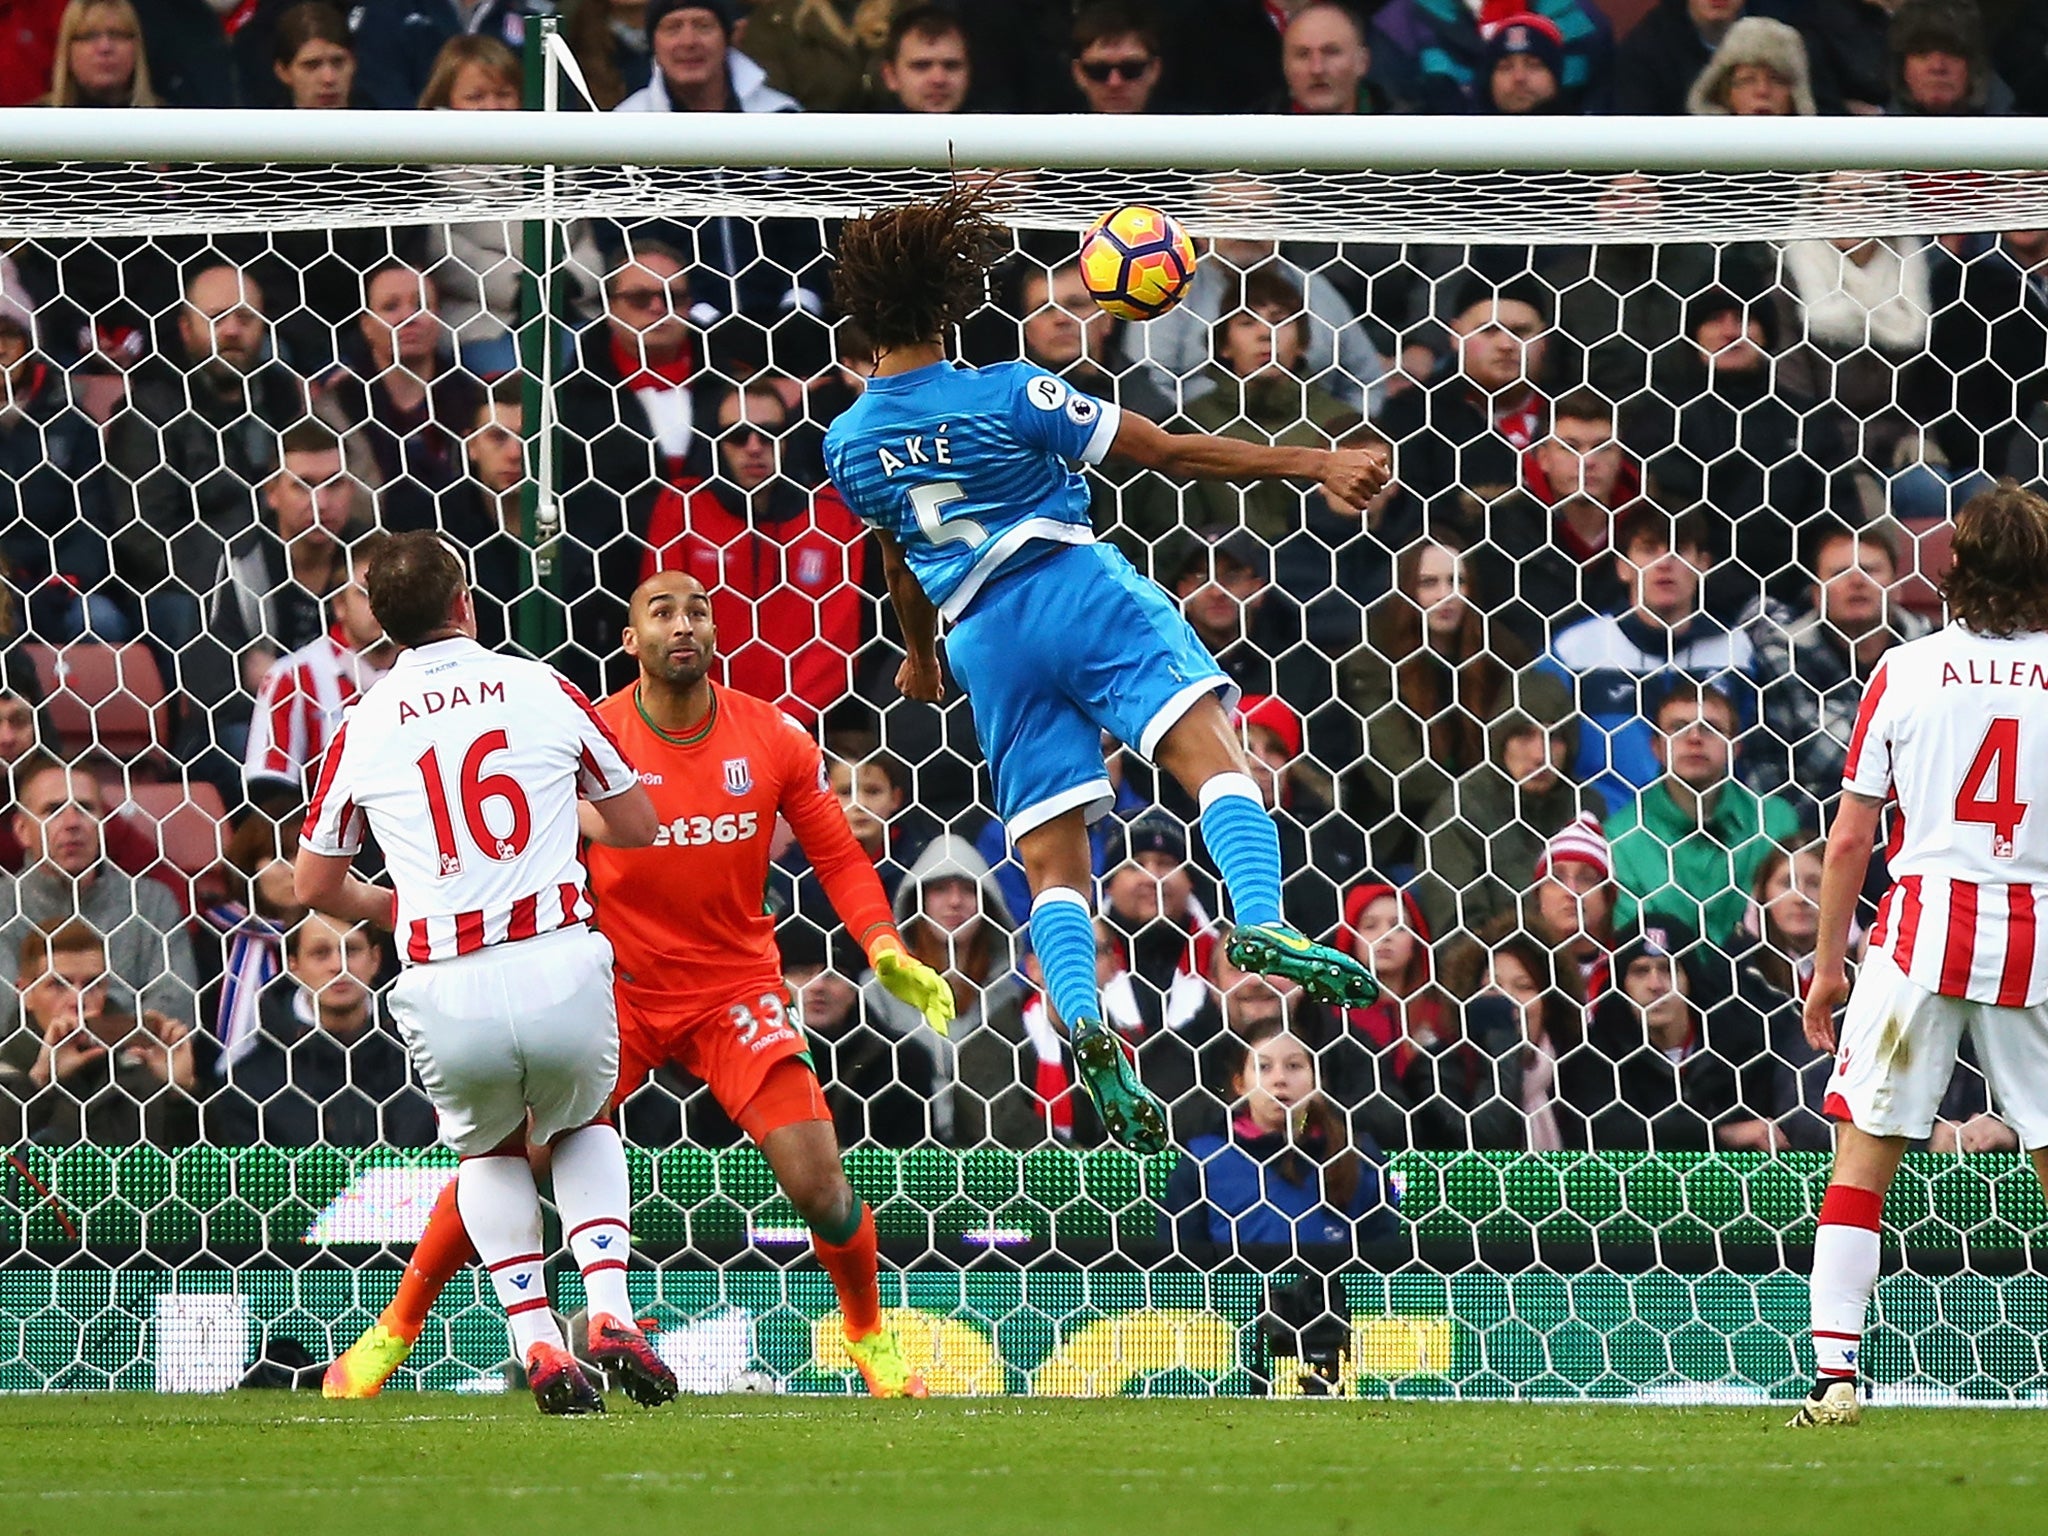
(1116, 56)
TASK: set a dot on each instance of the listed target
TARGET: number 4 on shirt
(1996, 764)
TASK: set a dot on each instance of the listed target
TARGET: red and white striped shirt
(1953, 730)
(468, 766)
(300, 704)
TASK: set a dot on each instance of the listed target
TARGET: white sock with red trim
(1845, 1260)
(594, 1196)
(501, 1210)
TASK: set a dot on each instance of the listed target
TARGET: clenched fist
(1353, 476)
(921, 680)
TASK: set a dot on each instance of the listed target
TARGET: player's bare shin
(1865, 1161)
(1843, 868)
(804, 1158)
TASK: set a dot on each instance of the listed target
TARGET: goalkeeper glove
(912, 981)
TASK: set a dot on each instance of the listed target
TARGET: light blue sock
(1063, 937)
(1245, 845)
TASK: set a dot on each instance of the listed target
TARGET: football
(1137, 262)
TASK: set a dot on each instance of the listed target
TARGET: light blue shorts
(1071, 644)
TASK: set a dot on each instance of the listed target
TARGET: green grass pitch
(417, 1465)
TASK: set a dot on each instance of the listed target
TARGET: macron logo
(521, 1282)
(602, 1242)
(650, 778)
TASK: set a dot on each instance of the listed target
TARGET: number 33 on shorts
(762, 1022)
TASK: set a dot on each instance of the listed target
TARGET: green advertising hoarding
(1599, 1276)
(1725, 1337)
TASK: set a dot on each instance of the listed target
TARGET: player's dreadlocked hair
(909, 274)
(1998, 584)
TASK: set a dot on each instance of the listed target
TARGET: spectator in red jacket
(1397, 1062)
(783, 562)
(30, 27)
(1385, 927)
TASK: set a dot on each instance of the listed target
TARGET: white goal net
(1679, 426)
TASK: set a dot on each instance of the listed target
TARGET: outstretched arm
(919, 676)
(1350, 477)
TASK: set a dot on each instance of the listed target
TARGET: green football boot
(880, 1358)
(1279, 949)
(362, 1369)
(1130, 1112)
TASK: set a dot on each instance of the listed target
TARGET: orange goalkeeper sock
(442, 1250)
(852, 1266)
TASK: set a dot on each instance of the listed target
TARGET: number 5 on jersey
(475, 790)
(930, 503)
(1996, 763)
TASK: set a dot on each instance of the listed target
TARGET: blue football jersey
(963, 467)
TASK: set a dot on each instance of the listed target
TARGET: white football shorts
(1897, 1052)
(513, 1028)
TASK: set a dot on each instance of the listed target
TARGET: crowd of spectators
(1549, 730)
(1706, 57)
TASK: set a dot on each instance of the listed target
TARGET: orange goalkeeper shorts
(750, 1054)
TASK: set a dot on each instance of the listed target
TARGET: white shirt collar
(435, 650)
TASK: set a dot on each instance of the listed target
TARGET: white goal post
(1577, 179)
(1248, 143)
